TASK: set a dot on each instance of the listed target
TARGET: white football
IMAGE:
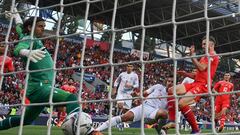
(70, 124)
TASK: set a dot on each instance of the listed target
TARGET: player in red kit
(222, 102)
(8, 66)
(69, 87)
(199, 86)
(61, 115)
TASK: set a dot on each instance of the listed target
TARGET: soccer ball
(70, 124)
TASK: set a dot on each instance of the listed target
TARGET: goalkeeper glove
(15, 15)
(34, 55)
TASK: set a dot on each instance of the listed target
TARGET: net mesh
(61, 42)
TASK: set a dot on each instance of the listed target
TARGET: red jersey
(62, 116)
(8, 66)
(201, 76)
(69, 88)
(223, 86)
(222, 101)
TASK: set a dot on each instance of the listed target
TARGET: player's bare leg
(128, 116)
(96, 133)
(120, 112)
(222, 117)
(161, 118)
(61, 115)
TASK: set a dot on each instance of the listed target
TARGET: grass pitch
(42, 130)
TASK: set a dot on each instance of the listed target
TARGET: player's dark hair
(211, 38)
(170, 76)
(71, 78)
(29, 22)
(227, 73)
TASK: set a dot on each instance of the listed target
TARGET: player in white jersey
(153, 109)
(125, 82)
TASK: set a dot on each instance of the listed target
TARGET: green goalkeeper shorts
(40, 93)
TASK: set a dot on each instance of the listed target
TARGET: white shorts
(149, 112)
(127, 104)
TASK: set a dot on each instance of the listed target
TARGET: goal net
(91, 42)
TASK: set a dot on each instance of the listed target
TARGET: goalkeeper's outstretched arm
(18, 21)
(19, 24)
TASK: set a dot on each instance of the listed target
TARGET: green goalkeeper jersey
(19, 30)
(45, 63)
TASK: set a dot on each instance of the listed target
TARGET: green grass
(42, 130)
(32, 130)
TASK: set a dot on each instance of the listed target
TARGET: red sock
(58, 116)
(171, 108)
(189, 115)
(222, 120)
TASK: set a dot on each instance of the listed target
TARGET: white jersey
(157, 91)
(187, 80)
(126, 78)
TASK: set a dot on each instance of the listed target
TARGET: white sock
(121, 112)
(117, 112)
(114, 121)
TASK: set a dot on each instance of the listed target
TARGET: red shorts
(196, 88)
(221, 103)
(219, 107)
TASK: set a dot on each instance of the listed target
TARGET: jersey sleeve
(19, 30)
(136, 82)
(204, 60)
(216, 86)
(117, 81)
(151, 89)
(22, 45)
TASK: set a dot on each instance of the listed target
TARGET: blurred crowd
(69, 54)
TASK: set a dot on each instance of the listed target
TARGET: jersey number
(225, 89)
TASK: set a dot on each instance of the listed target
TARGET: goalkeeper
(39, 82)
